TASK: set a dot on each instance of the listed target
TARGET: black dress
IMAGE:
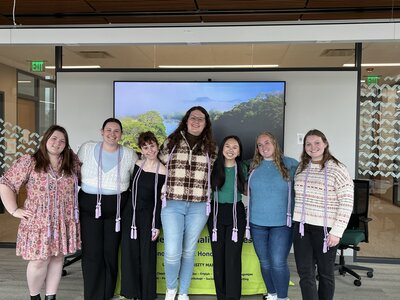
(138, 256)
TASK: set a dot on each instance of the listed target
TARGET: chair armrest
(365, 220)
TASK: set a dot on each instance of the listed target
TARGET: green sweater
(225, 194)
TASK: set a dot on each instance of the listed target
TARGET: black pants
(227, 254)
(308, 252)
(138, 257)
(100, 244)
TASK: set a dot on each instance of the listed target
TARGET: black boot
(50, 297)
(37, 297)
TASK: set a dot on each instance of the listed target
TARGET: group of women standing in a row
(201, 185)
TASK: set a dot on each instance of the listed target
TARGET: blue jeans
(272, 245)
(182, 224)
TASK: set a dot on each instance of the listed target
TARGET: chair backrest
(360, 208)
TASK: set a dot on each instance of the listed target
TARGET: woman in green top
(227, 222)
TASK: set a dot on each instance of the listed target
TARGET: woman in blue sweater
(270, 201)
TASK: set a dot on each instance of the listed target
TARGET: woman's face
(111, 133)
(150, 150)
(56, 143)
(315, 147)
(265, 146)
(196, 122)
(231, 149)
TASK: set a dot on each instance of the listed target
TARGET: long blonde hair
(277, 157)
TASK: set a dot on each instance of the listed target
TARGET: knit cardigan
(89, 168)
(340, 196)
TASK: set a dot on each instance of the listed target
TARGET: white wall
(322, 100)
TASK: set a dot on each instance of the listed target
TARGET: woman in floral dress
(49, 227)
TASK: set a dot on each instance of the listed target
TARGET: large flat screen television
(236, 108)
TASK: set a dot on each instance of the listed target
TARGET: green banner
(203, 277)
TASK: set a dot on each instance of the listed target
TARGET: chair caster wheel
(370, 274)
(357, 282)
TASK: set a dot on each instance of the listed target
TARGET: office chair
(357, 231)
(70, 259)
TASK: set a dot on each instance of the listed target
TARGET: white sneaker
(270, 297)
(170, 294)
(183, 297)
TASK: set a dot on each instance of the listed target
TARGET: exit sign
(373, 79)
(37, 66)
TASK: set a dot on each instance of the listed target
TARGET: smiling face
(231, 149)
(196, 122)
(111, 133)
(265, 146)
(315, 147)
(56, 143)
(150, 150)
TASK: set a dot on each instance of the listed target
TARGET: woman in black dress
(141, 223)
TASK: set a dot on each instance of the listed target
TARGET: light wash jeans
(182, 224)
(272, 246)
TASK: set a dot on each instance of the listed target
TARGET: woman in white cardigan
(106, 171)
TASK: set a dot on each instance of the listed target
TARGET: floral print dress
(54, 228)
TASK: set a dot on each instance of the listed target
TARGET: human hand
(154, 234)
(22, 213)
(333, 240)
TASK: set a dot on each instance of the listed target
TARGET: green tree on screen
(133, 126)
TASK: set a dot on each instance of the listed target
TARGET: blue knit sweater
(269, 193)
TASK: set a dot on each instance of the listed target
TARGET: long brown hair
(277, 157)
(208, 143)
(42, 157)
(305, 158)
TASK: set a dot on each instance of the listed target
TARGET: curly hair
(42, 157)
(218, 173)
(305, 158)
(277, 156)
(208, 144)
(147, 137)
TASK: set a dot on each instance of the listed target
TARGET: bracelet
(14, 211)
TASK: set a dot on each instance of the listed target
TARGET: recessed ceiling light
(74, 67)
(375, 65)
(216, 66)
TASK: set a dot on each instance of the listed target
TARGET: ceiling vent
(94, 54)
(337, 52)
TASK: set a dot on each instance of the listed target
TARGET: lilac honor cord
(303, 217)
(99, 188)
(76, 201)
(56, 213)
(48, 205)
(289, 206)
(153, 222)
(164, 195)
(208, 206)
(134, 197)
(118, 215)
(248, 207)
(215, 217)
(325, 245)
(99, 183)
(234, 212)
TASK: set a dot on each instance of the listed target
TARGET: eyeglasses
(197, 119)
